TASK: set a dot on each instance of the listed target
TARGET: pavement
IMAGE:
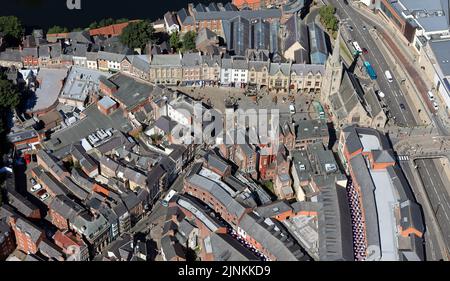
(438, 194)
(394, 95)
(434, 248)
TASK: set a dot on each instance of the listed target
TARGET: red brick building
(28, 236)
(62, 211)
(71, 245)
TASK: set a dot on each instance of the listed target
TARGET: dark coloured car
(402, 106)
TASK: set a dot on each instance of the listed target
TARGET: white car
(436, 106)
(44, 196)
(36, 188)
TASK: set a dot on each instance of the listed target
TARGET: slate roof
(131, 92)
(225, 248)
(284, 68)
(171, 248)
(166, 60)
(212, 60)
(216, 162)
(191, 60)
(29, 228)
(283, 247)
(231, 205)
(344, 101)
(297, 31)
(411, 216)
(20, 203)
(109, 56)
(335, 225)
(50, 250)
(363, 178)
(65, 207)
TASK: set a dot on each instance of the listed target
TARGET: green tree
(77, 29)
(57, 29)
(106, 22)
(328, 17)
(138, 34)
(9, 95)
(12, 29)
(189, 41)
(93, 25)
(122, 20)
(175, 41)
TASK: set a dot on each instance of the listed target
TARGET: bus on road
(370, 70)
(169, 196)
(358, 49)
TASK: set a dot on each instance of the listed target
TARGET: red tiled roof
(110, 30)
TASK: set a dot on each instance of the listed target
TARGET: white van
(388, 76)
(430, 96)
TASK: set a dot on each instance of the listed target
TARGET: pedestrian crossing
(403, 158)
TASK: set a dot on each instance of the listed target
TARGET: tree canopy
(57, 29)
(175, 41)
(106, 22)
(328, 17)
(9, 95)
(138, 34)
(189, 41)
(12, 29)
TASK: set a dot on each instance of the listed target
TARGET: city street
(394, 96)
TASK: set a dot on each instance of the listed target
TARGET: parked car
(33, 181)
(44, 196)
(365, 51)
(402, 106)
(36, 188)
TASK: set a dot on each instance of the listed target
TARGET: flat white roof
(370, 142)
(384, 201)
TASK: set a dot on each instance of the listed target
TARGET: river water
(46, 13)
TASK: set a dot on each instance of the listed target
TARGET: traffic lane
(437, 194)
(391, 94)
(392, 90)
(416, 77)
(432, 251)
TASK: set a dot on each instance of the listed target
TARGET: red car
(365, 51)
(27, 159)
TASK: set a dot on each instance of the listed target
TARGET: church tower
(333, 71)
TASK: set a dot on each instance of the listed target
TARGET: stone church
(345, 99)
